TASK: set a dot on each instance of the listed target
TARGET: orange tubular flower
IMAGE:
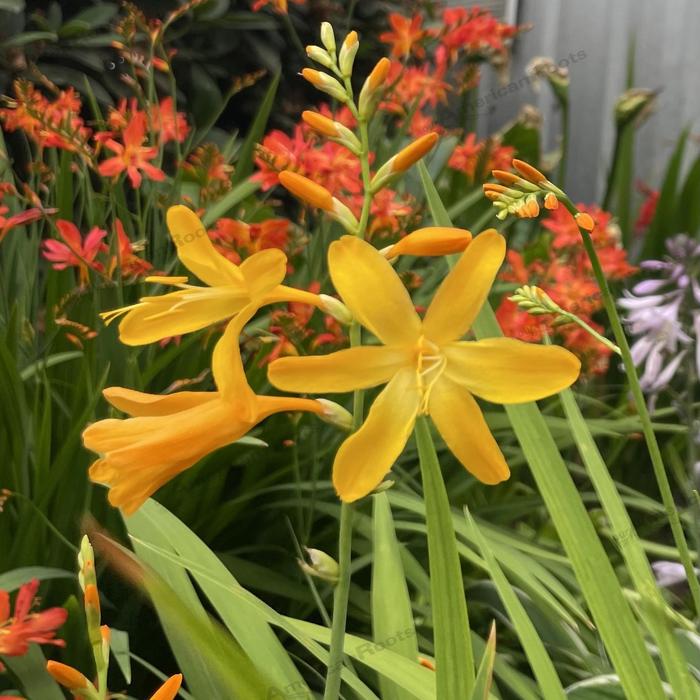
(405, 36)
(191, 308)
(132, 156)
(170, 433)
(67, 676)
(428, 369)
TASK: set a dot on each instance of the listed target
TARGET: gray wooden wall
(667, 36)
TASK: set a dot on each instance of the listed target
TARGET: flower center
(430, 365)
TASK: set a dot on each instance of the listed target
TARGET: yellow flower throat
(430, 364)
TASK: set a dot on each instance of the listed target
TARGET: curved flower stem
(644, 417)
(342, 589)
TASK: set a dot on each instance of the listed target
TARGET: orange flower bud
(431, 241)
(585, 221)
(378, 75)
(528, 171)
(405, 158)
(426, 663)
(323, 125)
(92, 597)
(67, 676)
(495, 187)
(551, 201)
(532, 208)
(306, 190)
(169, 689)
(505, 176)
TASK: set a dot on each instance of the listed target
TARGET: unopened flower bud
(67, 676)
(332, 129)
(403, 160)
(86, 564)
(106, 635)
(328, 37)
(384, 486)
(320, 565)
(585, 221)
(430, 241)
(335, 308)
(635, 103)
(347, 54)
(169, 689)
(307, 190)
(325, 83)
(335, 414)
(372, 88)
(529, 172)
(321, 56)
(550, 201)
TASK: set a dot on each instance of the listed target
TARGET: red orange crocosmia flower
(167, 123)
(405, 36)
(25, 627)
(131, 264)
(132, 156)
(169, 689)
(231, 287)
(236, 240)
(75, 252)
(280, 6)
(169, 433)
(15, 220)
(428, 368)
(466, 156)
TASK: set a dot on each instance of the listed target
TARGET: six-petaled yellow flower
(169, 433)
(230, 287)
(426, 365)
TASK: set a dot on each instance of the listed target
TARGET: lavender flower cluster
(663, 314)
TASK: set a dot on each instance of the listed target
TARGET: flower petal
(227, 364)
(459, 420)
(373, 291)
(505, 370)
(465, 289)
(138, 403)
(367, 455)
(184, 311)
(197, 252)
(344, 370)
(263, 271)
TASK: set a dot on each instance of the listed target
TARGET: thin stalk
(644, 417)
(564, 140)
(342, 589)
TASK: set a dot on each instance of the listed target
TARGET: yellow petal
(227, 364)
(459, 420)
(138, 403)
(344, 370)
(263, 271)
(504, 370)
(267, 405)
(184, 311)
(465, 289)
(197, 252)
(373, 291)
(367, 455)
(141, 454)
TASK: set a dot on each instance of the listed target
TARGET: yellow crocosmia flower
(230, 287)
(169, 433)
(426, 366)
(169, 689)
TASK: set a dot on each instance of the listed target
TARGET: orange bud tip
(306, 190)
(550, 201)
(92, 597)
(350, 39)
(528, 171)
(494, 187)
(313, 76)
(405, 158)
(426, 663)
(169, 689)
(431, 241)
(323, 125)
(379, 73)
(67, 676)
(505, 176)
(585, 221)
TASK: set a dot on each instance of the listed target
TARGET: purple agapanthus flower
(663, 314)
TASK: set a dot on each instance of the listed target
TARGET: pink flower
(75, 252)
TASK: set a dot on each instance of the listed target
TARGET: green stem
(342, 589)
(453, 648)
(600, 338)
(644, 417)
(564, 140)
